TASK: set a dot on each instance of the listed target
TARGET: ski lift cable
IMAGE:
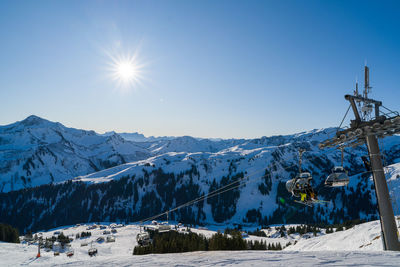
(390, 111)
(214, 193)
(233, 186)
(218, 191)
(196, 201)
(232, 183)
(191, 202)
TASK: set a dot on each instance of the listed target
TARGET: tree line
(175, 242)
(8, 233)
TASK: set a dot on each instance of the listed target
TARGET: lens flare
(126, 70)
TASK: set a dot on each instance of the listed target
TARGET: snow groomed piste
(358, 245)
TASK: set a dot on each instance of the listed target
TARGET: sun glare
(126, 71)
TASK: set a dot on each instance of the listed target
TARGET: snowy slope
(366, 236)
(138, 137)
(16, 257)
(356, 246)
(166, 173)
(36, 151)
(277, 155)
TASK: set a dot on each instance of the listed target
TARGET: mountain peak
(33, 120)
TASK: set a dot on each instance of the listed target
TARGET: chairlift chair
(299, 184)
(92, 251)
(338, 177)
(143, 239)
(162, 228)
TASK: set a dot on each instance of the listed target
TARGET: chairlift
(164, 227)
(92, 251)
(301, 183)
(338, 177)
(143, 239)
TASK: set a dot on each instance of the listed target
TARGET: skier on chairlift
(309, 194)
(301, 187)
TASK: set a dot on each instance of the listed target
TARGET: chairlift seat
(164, 228)
(305, 175)
(92, 251)
(143, 239)
(338, 177)
(290, 185)
(299, 184)
(338, 169)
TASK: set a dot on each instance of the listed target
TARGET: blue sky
(229, 69)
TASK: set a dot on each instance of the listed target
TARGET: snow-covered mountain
(138, 137)
(169, 173)
(36, 151)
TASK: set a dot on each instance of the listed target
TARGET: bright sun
(126, 71)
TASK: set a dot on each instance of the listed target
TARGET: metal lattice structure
(365, 129)
(357, 133)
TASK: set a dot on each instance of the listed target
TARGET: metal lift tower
(367, 128)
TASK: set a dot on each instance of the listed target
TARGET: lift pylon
(365, 129)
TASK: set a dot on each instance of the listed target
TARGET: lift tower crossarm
(353, 98)
(363, 131)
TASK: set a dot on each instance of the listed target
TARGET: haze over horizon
(220, 69)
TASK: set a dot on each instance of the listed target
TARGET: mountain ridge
(35, 151)
(164, 177)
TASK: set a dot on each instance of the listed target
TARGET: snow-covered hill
(265, 164)
(152, 177)
(211, 258)
(36, 151)
(359, 245)
(138, 137)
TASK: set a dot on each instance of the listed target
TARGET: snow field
(360, 245)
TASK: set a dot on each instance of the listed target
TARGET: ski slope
(357, 246)
(366, 236)
(224, 258)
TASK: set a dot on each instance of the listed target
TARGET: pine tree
(8, 233)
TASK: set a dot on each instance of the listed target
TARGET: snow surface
(357, 246)
(366, 236)
(37, 151)
(218, 258)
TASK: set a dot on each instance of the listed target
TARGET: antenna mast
(367, 88)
